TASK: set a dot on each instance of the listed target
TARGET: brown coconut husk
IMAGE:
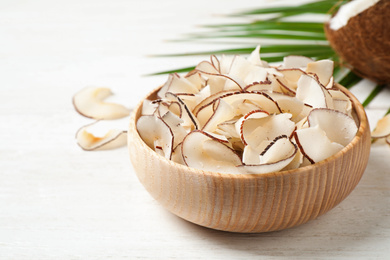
(364, 43)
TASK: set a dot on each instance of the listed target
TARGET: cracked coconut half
(240, 115)
(359, 33)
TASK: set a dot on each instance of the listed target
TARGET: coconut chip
(276, 156)
(89, 102)
(382, 129)
(156, 134)
(329, 132)
(203, 151)
(90, 141)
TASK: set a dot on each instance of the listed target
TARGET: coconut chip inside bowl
(240, 115)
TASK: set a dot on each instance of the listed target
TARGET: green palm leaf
(291, 37)
(321, 7)
(270, 25)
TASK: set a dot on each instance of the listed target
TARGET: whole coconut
(364, 42)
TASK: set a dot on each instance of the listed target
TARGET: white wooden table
(59, 202)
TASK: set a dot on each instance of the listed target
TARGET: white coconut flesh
(237, 115)
(349, 10)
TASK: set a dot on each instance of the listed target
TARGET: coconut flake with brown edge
(89, 102)
(223, 112)
(315, 145)
(311, 92)
(156, 134)
(254, 131)
(339, 127)
(323, 69)
(382, 128)
(276, 156)
(329, 132)
(90, 141)
(203, 151)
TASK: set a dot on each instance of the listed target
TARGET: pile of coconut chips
(241, 115)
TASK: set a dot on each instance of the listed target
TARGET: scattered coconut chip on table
(382, 129)
(237, 115)
(89, 102)
(89, 141)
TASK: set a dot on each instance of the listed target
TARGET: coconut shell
(364, 43)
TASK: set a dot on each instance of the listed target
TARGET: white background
(59, 202)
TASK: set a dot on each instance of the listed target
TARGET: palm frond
(288, 37)
(320, 7)
(373, 94)
(267, 49)
(178, 70)
(350, 79)
(270, 25)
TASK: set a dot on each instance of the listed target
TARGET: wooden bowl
(252, 202)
